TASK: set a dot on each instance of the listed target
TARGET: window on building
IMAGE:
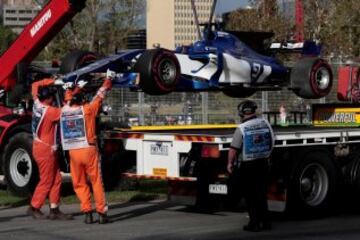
(10, 19)
(25, 19)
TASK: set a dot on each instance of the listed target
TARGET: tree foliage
(260, 16)
(101, 27)
(342, 32)
(7, 37)
(334, 23)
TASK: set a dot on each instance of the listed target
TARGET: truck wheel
(352, 171)
(19, 168)
(159, 71)
(238, 92)
(75, 60)
(314, 183)
(311, 78)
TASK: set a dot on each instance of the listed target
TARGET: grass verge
(128, 191)
(9, 200)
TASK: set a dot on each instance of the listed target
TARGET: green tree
(342, 32)
(122, 17)
(263, 15)
(101, 27)
(7, 37)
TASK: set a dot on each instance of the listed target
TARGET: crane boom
(299, 21)
(35, 36)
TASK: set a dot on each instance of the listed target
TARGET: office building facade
(171, 23)
(18, 13)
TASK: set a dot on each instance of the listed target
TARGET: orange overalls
(45, 119)
(86, 161)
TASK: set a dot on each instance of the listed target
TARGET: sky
(229, 5)
(221, 7)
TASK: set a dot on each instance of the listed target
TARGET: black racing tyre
(159, 71)
(311, 78)
(238, 92)
(314, 183)
(19, 167)
(75, 60)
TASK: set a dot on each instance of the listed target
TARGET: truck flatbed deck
(284, 136)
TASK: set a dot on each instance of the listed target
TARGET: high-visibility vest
(38, 114)
(72, 128)
(258, 139)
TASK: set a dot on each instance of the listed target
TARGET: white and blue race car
(219, 62)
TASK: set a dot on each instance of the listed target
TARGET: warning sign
(160, 172)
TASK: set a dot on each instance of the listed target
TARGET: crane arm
(299, 21)
(35, 36)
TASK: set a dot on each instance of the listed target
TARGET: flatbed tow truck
(310, 165)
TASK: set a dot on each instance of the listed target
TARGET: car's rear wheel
(159, 71)
(311, 78)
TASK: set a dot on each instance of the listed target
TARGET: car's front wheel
(76, 59)
(159, 71)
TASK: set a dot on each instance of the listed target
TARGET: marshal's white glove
(2, 93)
(81, 83)
(59, 82)
(110, 74)
(68, 85)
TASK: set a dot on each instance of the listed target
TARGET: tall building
(19, 2)
(18, 13)
(171, 23)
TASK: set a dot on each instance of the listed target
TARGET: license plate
(218, 189)
(159, 149)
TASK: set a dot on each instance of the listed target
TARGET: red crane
(299, 21)
(36, 35)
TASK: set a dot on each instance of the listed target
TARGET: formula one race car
(220, 61)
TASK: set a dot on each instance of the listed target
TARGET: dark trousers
(252, 180)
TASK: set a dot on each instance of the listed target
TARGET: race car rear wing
(255, 40)
(306, 48)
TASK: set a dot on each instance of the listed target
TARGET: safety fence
(137, 108)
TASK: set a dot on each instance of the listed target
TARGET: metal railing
(202, 108)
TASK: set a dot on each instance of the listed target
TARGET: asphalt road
(163, 220)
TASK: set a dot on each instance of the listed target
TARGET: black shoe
(88, 218)
(56, 214)
(35, 213)
(252, 227)
(103, 218)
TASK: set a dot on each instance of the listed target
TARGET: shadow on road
(133, 213)
(155, 206)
